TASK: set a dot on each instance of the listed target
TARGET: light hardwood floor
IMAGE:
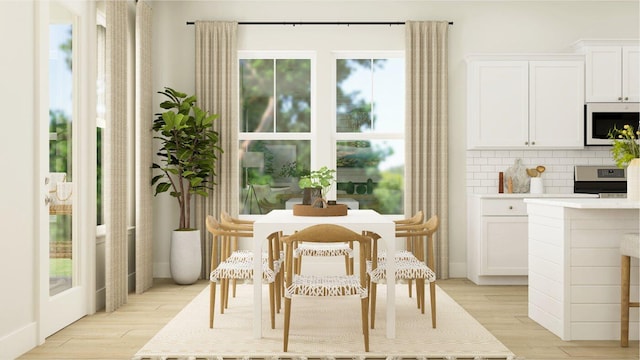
(501, 309)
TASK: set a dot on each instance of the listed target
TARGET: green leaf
(201, 192)
(162, 187)
(196, 181)
(156, 178)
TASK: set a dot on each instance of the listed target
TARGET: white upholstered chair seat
(400, 255)
(311, 285)
(406, 269)
(243, 270)
(315, 249)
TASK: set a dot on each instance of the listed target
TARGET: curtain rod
(318, 23)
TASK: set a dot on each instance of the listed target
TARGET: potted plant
(187, 156)
(316, 184)
(626, 153)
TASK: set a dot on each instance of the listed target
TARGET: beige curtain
(115, 160)
(144, 153)
(426, 129)
(216, 91)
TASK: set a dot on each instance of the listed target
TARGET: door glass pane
(60, 157)
(270, 171)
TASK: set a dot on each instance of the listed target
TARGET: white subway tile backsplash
(483, 166)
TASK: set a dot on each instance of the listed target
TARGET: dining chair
(241, 268)
(244, 224)
(417, 218)
(326, 285)
(408, 268)
(232, 223)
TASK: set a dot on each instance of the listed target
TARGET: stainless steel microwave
(600, 118)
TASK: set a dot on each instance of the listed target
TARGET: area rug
(323, 328)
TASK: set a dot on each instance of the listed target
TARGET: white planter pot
(633, 180)
(185, 258)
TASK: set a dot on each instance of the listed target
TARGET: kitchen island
(574, 266)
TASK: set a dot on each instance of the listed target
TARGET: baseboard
(161, 270)
(19, 341)
(457, 269)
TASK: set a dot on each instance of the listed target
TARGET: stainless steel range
(606, 181)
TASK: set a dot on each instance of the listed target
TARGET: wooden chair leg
(420, 294)
(222, 295)
(272, 305)
(365, 328)
(347, 265)
(278, 295)
(287, 321)
(373, 291)
(212, 302)
(625, 271)
(409, 284)
(432, 291)
(234, 289)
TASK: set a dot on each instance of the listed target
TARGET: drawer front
(504, 207)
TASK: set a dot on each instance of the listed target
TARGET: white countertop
(586, 203)
(533, 196)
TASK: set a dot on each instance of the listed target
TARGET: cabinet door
(504, 245)
(604, 74)
(631, 73)
(498, 111)
(556, 104)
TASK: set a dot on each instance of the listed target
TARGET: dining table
(288, 223)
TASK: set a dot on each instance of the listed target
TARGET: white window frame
(322, 138)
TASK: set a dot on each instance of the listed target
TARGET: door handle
(48, 200)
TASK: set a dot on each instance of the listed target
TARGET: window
(370, 131)
(275, 129)
(280, 140)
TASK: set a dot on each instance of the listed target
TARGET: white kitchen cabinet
(612, 73)
(523, 103)
(556, 104)
(497, 241)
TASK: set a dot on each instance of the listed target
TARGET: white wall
(17, 187)
(479, 27)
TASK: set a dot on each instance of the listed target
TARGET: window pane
(270, 171)
(353, 95)
(388, 95)
(256, 95)
(372, 173)
(293, 89)
(370, 95)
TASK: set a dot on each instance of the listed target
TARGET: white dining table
(356, 220)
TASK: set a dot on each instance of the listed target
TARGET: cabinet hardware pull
(510, 207)
(626, 98)
(533, 143)
(526, 143)
(620, 98)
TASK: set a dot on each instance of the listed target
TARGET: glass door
(62, 298)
